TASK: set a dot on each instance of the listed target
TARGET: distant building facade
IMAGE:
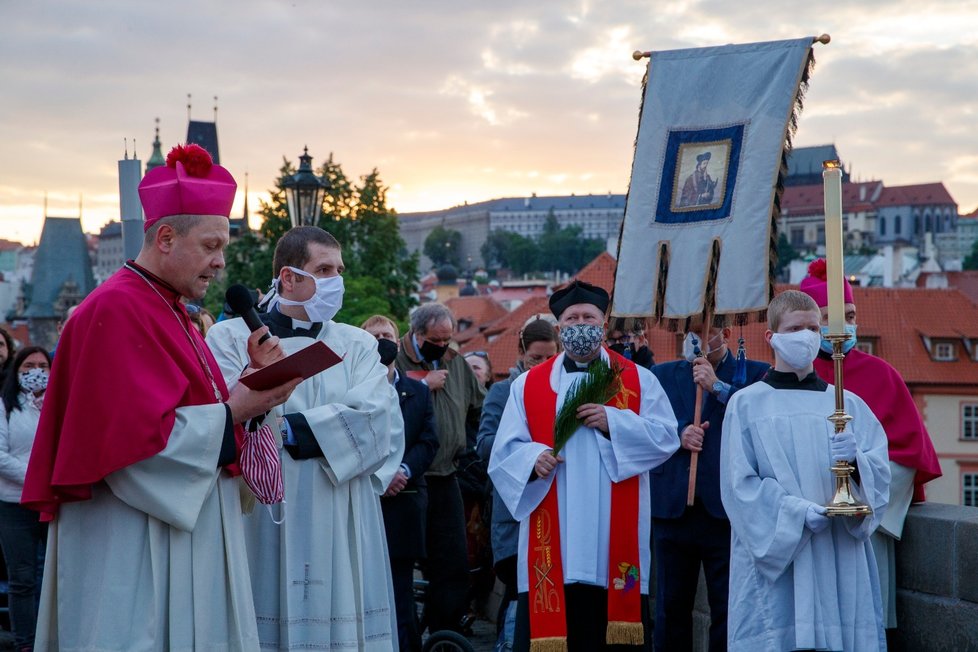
(62, 276)
(110, 254)
(598, 216)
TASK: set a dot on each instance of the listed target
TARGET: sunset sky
(451, 101)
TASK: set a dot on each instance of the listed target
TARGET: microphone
(243, 304)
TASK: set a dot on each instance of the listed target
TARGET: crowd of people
(182, 509)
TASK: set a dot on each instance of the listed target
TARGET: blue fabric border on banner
(669, 188)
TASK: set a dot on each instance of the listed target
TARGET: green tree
(786, 254)
(564, 249)
(377, 250)
(510, 250)
(444, 247)
(971, 260)
(363, 298)
(380, 275)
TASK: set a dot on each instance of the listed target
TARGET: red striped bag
(261, 466)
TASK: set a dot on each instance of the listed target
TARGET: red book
(304, 363)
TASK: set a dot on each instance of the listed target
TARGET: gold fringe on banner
(551, 644)
(624, 633)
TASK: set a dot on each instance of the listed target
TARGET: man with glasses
(630, 342)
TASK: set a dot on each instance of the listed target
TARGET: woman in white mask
(22, 535)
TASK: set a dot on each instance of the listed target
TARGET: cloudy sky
(451, 101)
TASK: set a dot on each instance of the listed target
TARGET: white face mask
(692, 340)
(323, 304)
(798, 349)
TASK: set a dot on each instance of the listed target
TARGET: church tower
(156, 160)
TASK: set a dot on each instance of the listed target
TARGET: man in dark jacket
(686, 537)
(405, 502)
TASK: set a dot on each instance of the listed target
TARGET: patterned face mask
(261, 466)
(581, 339)
(34, 380)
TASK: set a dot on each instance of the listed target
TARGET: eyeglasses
(624, 339)
(192, 308)
(481, 354)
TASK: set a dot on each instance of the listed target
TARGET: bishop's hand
(247, 403)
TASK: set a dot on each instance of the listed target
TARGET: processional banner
(700, 229)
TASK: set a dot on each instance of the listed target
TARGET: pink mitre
(189, 184)
(816, 284)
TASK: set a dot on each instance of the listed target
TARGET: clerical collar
(572, 367)
(284, 326)
(145, 273)
(790, 380)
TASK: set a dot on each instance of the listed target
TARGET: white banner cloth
(712, 128)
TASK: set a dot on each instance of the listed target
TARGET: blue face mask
(826, 345)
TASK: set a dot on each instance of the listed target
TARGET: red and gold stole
(548, 625)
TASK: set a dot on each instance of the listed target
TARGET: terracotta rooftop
(600, 272)
(857, 197)
(810, 200)
(897, 320)
(900, 322)
(473, 313)
(499, 339)
(20, 333)
(916, 195)
(966, 282)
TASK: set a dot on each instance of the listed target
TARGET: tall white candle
(832, 181)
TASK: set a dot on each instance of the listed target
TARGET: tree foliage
(786, 254)
(380, 275)
(556, 249)
(444, 247)
(971, 260)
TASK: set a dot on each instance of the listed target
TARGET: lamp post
(304, 193)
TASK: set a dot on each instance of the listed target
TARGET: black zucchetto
(578, 292)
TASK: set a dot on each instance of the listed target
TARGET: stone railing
(937, 580)
(937, 583)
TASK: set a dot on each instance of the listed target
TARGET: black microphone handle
(253, 321)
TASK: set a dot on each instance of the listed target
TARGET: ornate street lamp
(304, 192)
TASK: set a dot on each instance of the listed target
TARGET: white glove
(843, 447)
(815, 518)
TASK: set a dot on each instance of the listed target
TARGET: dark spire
(244, 218)
(156, 159)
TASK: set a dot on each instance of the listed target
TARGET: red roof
(864, 196)
(600, 272)
(916, 195)
(499, 339)
(898, 320)
(473, 313)
(20, 333)
(966, 282)
(475, 309)
(810, 200)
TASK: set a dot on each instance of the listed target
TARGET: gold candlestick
(843, 503)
